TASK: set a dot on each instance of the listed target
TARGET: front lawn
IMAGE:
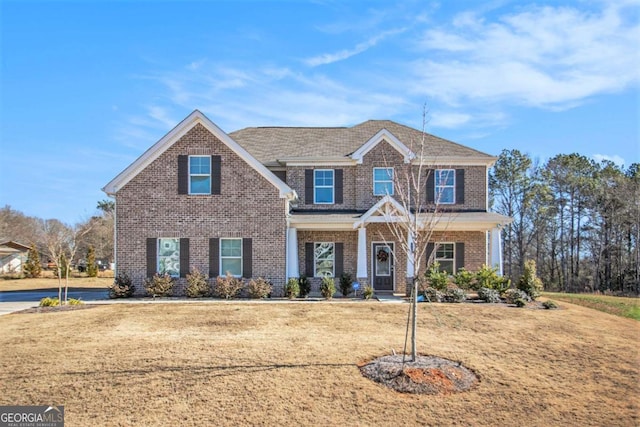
(245, 363)
(50, 282)
(620, 306)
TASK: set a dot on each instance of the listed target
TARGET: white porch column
(496, 249)
(362, 253)
(410, 265)
(293, 269)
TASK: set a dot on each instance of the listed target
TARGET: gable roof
(196, 117)
(276, 145)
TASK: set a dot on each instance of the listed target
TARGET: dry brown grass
(52, 283)
(296, 364)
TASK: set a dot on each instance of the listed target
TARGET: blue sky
(86, 86)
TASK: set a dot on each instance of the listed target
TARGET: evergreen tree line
(578, 219)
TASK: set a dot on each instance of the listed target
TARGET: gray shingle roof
(268, 144)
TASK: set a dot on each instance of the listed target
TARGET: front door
(383, 266)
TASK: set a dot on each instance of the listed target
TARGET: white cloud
(614, 158)
(551, 57)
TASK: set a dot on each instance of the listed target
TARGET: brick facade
(248, 207)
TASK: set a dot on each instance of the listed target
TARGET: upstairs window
(199, 174)
(445, 184)
(445, 256)
(323, 186)
(382, 181)
(324, 259)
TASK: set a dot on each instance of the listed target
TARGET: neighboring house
(279, 202)
(13, 255)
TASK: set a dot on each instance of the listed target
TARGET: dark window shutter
(214, 257)
(281, 174)
(338, 185)
(431, 180)
(216, 174)
(308, 186)
(152, 259)
(459, 186)
(247, 258)
(459, 256)
(430, 247)
(183, 174)
(339, 259)
(184, 257)
(308, 251)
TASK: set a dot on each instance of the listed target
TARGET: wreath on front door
(382, 255)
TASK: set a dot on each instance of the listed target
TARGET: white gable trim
(383, 135)
(178, 132)
(377, 213)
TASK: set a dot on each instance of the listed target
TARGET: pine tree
(32, 267)
(92, 268)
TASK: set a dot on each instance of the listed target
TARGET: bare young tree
(411, 217)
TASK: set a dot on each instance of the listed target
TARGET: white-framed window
(446, 256)
(382, 181)
(231, 257)
(169, 256)
(199, 174)
(324, 259)
(323, 186)
(445, 186)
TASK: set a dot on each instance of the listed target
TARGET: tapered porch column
(362, 254)
(496, 249)
(410, 266)
(293, 269)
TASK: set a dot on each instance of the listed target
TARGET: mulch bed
(427, 375)
(55, 308)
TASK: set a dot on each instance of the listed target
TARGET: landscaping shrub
(197, 284)
(455, 294)
(227, 287)
(49, 302)
(489, 295)
(258, 288)
(32, 267)
(74, 301)
(550, 305)
(327, 287)
(463, 279)
(292, 288)
(511, 296)
(529, 282)
(122, 287)
(487, 277)
(520, 302)
(437, 279)
(433, 295)
(304, 286)
(367, 292)
(159, 285)
(346, 284)
(92, 268)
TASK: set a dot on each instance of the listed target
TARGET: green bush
(73, 301)
(437, 279)
(258, 288)
(227, 287)
(32, 267)
(159, 285)
(513, 295)
(197, 284)
(489, 295)
(328, 287)
(464, 279)
(122, 287)
(455, 294)
(292, 288)
(550, 305)
(520, 302)
(367, 292)
(49, 302)
(304, 286)
(488, 277)
(433, 295)
(529, 282)
(346, 284)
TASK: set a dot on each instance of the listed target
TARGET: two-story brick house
(279, 202)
